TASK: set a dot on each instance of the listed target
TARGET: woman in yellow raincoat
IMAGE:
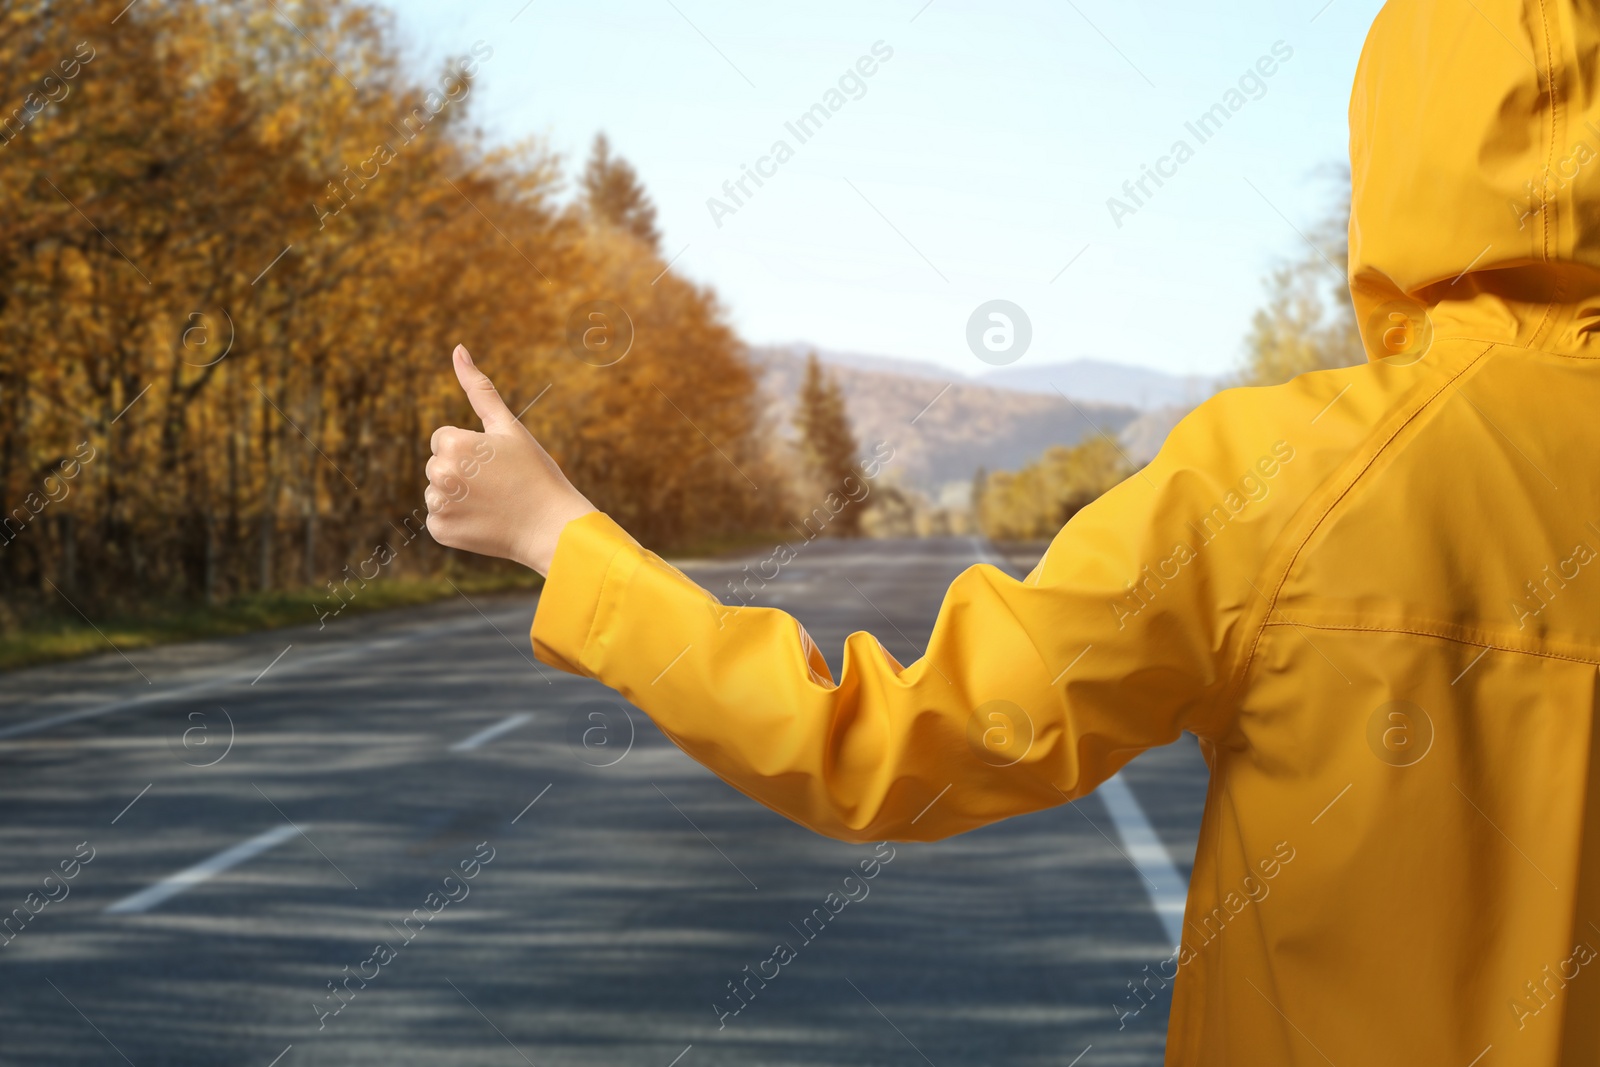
(1411, 545)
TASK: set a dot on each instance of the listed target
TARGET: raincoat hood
(1474, 153)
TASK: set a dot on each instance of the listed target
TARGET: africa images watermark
(1552, 580)
(453, 889)
(53, 88)
(1254, 487)
(1252, 85)
(55, 487)
(802, 129)
(1556, 176)
(854, 493)
(1251, 890)
(37, 900)
(387, 552)
(1542, 991)
(853, 889)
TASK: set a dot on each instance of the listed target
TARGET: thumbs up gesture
(497, 493)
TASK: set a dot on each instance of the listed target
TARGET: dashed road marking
(489, 733)
(203, 871)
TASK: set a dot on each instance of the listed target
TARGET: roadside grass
(57, 635)
(64, 636)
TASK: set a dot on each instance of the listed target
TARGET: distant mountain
(1111, 383)
(1099, 380)
(942, 427)
(910, 368)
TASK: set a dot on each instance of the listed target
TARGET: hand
(497, 493)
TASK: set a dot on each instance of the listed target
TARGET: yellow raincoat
(1372, 593)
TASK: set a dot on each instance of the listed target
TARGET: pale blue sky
(990, 141)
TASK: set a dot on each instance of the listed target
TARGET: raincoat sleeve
(1031, 692)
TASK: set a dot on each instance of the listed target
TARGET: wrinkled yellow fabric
(1372, 593)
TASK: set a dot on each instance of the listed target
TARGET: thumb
(481, 393)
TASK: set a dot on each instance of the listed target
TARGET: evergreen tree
(978, 493)
(828, 443)
(613, 194)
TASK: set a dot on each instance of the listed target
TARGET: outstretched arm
(1031, 692)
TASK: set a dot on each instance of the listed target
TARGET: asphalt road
(262, 812)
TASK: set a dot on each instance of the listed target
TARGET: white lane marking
(1165, 886)
(38, 725)
(301, 831)
(986, 555)
(489, 733)
(205, 870)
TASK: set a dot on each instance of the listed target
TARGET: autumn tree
(237, 244)
(1036, 501)
(613, 194)
(1308, 322)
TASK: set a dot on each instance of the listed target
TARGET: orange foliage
(237, 243)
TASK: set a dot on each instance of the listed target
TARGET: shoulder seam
(1238, 676)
